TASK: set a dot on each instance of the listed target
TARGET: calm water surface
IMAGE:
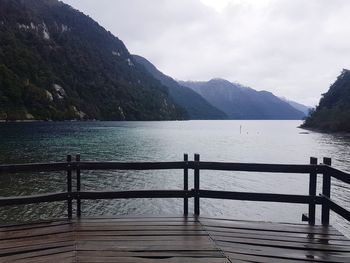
(258, 141)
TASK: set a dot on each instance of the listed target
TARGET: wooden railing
(312, 199)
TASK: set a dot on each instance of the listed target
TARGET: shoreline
(341, 133)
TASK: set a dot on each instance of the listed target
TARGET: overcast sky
(293, 48)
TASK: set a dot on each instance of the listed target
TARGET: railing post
(326, 191)
(77, 159)
(312, 191)
(196, 185)
(69, 186)
(186, 184)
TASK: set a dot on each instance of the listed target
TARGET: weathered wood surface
(170, 239)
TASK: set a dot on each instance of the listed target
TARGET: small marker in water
(240, 129)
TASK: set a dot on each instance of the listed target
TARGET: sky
(293, 48)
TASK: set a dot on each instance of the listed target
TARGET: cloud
(293, 48)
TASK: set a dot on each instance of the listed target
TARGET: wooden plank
(233, 231)
(130, 227)
(336, 208)
(138, 223)
(154, 254)
(312, 192)
(32, 167)
(282, 228)
(276, 230)
(38, 253)
(267, 224)
(171, 239)
(259, 167)
(261, 197)
(141, 243)
(78, 184)
(185, 183)
(283, 244)
(132, 165)
(56, 259)
(226, 220)
(32, 199)
(137, 219)
(18, 243)
(262, 259)
(134, 194)
(306, 255)
(194, 238)
(145, 233)
(337, 173)
(100, 259)
(99, 246)
(223, 166)
(32, 225)
(196, 184)
(35, 232)
(29, 248)
(279, 237)
(326, 192)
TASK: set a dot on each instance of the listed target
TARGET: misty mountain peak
(240, 102)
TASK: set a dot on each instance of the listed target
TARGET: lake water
(255, 141)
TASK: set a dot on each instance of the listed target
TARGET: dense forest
(57, 63)
(333, 112)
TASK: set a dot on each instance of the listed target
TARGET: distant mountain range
(240, 102)
(333, 112)
(304, 109)
(58, 64)
(195, 105)
(221, 99)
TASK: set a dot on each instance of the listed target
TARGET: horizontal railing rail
(258, 167)
(336, 208)
(33, 167)
(336, 173)
(33, 199)
(218, 166)
(136, 194)
(312, 199)
(263, 197)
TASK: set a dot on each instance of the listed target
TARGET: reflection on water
(258, 141)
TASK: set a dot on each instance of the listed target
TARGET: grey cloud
(294, 48)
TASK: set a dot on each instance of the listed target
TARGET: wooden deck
(170, 239)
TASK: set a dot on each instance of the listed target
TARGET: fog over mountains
(240, 102)
(58, 64)
(195, 105)
(301, 107)
(219, 99)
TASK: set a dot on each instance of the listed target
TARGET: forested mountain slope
(57, 63)
(333, 112)
(195, 105)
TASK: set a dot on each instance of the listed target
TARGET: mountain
(333, 112)
(57, 63)
(300, 107)
(195, 105)
(239, 102)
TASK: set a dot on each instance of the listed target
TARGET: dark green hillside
(56, 63)
(333, 112)
(196, 106)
